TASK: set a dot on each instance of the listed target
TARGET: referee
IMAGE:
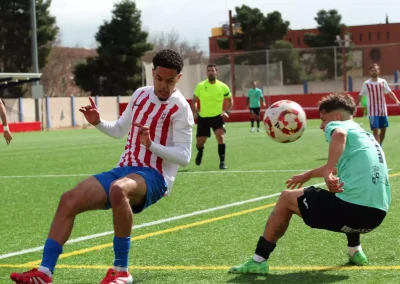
(211, 94)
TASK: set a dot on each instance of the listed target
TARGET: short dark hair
(212, 65)
(374, 65)
(334, 102)
(168, 58)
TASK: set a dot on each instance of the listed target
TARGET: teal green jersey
(254, 96)
(362, 167)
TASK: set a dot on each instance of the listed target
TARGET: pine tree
(117, 69)
(329, 26)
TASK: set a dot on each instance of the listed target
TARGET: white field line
(180, 173)
(162, 221)
(195, 172)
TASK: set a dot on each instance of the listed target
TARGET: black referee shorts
(321, 209)
(205, 123)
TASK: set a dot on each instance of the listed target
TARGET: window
(379, 35)
(298, 40)
(387, 35)
(360, 36)
(369, 36)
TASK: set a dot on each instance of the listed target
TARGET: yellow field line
(203, 268)
(157, 233)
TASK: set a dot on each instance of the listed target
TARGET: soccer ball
(285, 121)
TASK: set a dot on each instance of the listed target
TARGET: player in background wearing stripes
(3, 115)
(159, 122)
(375, 89)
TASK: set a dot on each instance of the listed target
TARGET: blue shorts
(155, 183)
(378, 122)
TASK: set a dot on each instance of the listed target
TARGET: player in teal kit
(357, 199)
(254, 96)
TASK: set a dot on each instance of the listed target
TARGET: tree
(387, 19)
(16, 37)
(117, 69)
(172, 40)
(329, 26)
(292, 69)
(258, 32)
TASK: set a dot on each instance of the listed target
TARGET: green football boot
(250, 267)
(358, 258)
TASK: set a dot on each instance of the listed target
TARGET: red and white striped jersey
(375, 92)
(169, 121)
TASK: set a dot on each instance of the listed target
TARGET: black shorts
(255, 110)
(321, 209)
(205, 123)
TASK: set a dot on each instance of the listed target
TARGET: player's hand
(195, 116)
(7, 136)
(90, 112)
(333, 183)
(225, 115)
(144, 134)
(298, 180)
(263, 104)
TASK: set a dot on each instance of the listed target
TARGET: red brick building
(378, 43)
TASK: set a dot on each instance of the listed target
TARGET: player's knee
(219, 133)
(117, 193)
(69, 203)
(220, 139)
(285, 197)
(285, 194)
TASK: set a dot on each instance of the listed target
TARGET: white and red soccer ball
(285, 121)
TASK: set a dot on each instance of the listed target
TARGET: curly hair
(334, 102)
(168, 58)
(212, 65)
(374, 65)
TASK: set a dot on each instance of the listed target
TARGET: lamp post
(343, 43)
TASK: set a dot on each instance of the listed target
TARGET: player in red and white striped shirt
(159, 122)
(375, 89)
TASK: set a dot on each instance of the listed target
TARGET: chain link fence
(293, 71)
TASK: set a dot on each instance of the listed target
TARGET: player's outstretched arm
(298, 180)
(116, 129)
(336, 148)
(7, 134)
(230, 104)
(194, 106)
(394, 98)
(389, 92)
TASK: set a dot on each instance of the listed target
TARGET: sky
(193, 20)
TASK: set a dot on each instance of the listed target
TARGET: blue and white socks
(121, 251)
(51, 252)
